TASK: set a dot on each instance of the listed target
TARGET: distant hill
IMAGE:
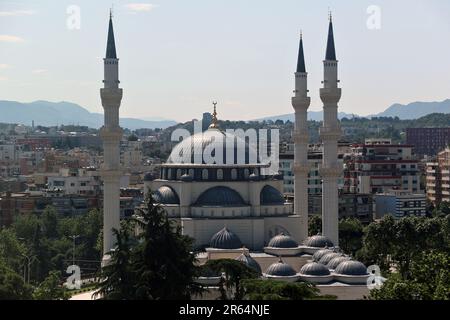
(410, 111)
(415, 110)
(57, 113)
(312, 115)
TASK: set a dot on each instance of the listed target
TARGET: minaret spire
(331, 51)
(301, 57)
(111, 45)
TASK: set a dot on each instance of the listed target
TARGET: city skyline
(170, 57)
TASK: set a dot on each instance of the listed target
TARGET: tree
(164, 262)
(315, 225)
(234, 272)
(256, 289)
(160, 267)
(429, 279)
(49, 221)
(119, 278)
(12, 286)
(350, 235)
(51, 288)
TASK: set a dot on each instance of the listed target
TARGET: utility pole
(74, 237)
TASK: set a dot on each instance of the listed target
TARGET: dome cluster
(225, 239)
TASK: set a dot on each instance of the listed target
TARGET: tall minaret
(330, 132)
(111, 134)
(301, 102)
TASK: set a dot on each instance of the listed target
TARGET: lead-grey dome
(315, 269)
(336, 261)
(249, 262)
(351, 268)
(225, 239)
(280, 269)
(318, 241)
(271, 196)
(320, 253)
(213, 139)
(166, 195)
(220, 197)
(282, 241)
(327, 258)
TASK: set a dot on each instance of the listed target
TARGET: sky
(177, 56)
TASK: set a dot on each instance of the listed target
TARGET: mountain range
(410, 111)
(57, 113)
(47, 113)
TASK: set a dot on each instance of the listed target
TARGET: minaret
(330, 132)
(301, 102)
(111, 134)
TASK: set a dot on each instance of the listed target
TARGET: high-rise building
(438, 178)
(380, 166)
(428, 141)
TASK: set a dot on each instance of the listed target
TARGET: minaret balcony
(330, 95)
(111, 97)
(300, 102)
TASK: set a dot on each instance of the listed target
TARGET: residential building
(438, 178)
(428, 141)
(400, 204)
(378, 166)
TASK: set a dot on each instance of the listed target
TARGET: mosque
(232, 209)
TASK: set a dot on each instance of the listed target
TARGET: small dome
(225, 239)
(318, 241)
(327, 258)
(315, 269)
(271, 196)
(249, 262)
(166, 195)
(149, 177)
(320, 253)
(186, 178)
(351, 268)
(336, 261)
(253, 177)
(283, 241)
(280, 269)
(220, 197)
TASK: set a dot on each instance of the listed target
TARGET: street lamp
(30, 260)
(74, 237)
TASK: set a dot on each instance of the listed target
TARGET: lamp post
(30, 260)
(74, 237)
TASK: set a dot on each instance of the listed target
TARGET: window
(205, 174)
(233, 174)
(219, 174)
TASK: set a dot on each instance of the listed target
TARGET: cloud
(39, 71)
(4, 66)
(140, 7)
(9, 38)
(16, 13)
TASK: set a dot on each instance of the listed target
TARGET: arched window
(178, 174)
(219, 174)
(169, 174)
(246, 173)
(191, 172)
(205, 174)
(233, 174)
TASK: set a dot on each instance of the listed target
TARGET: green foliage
(234, 272)
(160, 267)
(51, 288)
(12, 286)
(256, 289)
(429, 279)
(392, 242)
(314, 225)
(350, 235)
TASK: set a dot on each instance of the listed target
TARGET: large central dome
(215, 147)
